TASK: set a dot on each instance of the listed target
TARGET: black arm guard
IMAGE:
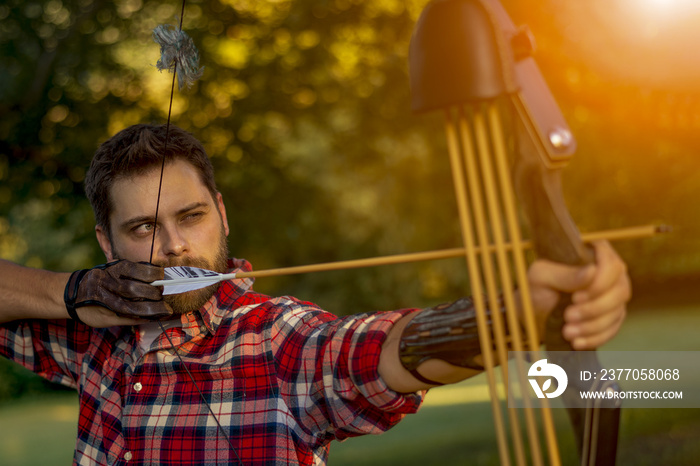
(448, 332)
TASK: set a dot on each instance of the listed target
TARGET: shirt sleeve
(52, 349)
(328, 367)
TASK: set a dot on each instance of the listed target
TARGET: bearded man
(236, 377)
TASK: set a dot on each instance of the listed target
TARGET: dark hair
(134, 151)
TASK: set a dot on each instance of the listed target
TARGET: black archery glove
(122, 287)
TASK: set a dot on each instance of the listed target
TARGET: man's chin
(184, 303)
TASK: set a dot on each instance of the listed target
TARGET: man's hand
(600, 293)
(117, 293)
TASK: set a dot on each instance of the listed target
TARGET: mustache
(187, 261)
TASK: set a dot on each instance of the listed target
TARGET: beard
(190, 301)
(183, 303)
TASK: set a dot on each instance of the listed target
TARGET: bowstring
(165, 144)
(150, 260)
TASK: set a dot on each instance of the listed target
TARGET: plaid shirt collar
(210, 315)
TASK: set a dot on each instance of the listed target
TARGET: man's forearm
(399, 379)
(27, 293)
(113, 294)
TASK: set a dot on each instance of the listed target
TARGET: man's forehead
(139, 192)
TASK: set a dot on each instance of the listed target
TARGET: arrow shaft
(611, 235)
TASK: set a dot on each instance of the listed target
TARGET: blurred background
(304, 109)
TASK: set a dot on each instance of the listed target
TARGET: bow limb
(556, 238)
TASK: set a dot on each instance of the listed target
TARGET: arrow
(181, 279)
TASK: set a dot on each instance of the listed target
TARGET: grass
(39, 431)
(454, 426)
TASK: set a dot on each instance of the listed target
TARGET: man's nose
(173, 242)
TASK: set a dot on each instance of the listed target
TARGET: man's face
(192, 226)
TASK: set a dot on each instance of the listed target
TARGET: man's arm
(600, 293)
(399, 379)
(27, 293)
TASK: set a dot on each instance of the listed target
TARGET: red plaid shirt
(283, 377)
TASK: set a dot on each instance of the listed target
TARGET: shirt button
(138, 386)
(128, 456)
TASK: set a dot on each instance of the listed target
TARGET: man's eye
(193, 216)
(143, 229)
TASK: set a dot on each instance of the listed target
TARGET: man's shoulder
(264, 309)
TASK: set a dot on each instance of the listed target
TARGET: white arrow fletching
(182, 279)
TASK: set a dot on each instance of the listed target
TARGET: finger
(132, 290)
(616, 295)
(100, 317)
(147, 310)
(142, 291)
(593, 326)
(139, 271)
(609, 268)
(123, 321)
(560, 277)
(594, 340)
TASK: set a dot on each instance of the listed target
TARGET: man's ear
(222, 211)
(105, 243)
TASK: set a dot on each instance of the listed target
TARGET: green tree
(304, 110)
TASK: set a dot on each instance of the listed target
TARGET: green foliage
(304, 110)
(17, 382)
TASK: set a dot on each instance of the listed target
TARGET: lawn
(453, 427)
(39, 431)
